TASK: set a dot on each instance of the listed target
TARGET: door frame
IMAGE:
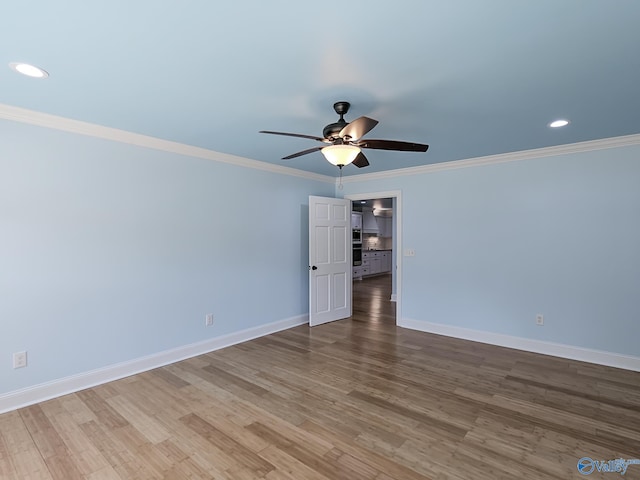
(397, 221)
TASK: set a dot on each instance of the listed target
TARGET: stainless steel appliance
(357, 255)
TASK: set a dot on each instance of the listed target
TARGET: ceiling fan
(344, 140)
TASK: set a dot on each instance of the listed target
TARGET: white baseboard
(598, 357)
(46, 391)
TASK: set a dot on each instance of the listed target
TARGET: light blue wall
(110, 252)
(497, 244)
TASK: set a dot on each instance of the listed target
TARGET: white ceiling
(470, 78)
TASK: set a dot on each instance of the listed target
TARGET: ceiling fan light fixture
(340, 155)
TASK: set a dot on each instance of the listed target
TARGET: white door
(330, 262)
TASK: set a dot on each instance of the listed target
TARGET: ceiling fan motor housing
(332, 130)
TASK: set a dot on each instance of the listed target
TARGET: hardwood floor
(355, 399)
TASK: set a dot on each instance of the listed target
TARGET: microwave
(357, 236)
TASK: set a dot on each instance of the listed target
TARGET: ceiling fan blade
(361, 161)
(393, 145)
(303, 152)
(299, 135)
(358, 128)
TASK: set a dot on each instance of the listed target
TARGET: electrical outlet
(208, 320)
(19, 359)
(539, 319)
(409, 252)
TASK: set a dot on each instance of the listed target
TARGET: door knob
(314, 268)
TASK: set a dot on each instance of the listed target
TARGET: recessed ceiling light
(559, 123)
(28, 70)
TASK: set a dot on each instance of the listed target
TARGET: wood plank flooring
(355, 399)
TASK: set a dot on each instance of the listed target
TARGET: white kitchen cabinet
(381, 227)
(357, 273)
(376, 262)
(385, 226)
(356, 220)
(386, 261)
(374, 269)
(366, 262)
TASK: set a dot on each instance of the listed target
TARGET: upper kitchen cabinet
(356, 220)
(385, 226)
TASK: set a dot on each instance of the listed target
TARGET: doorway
(371, 300)
(378, 291)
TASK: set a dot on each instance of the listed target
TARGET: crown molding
(31, 117)
(39, 119)
(581, 147)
